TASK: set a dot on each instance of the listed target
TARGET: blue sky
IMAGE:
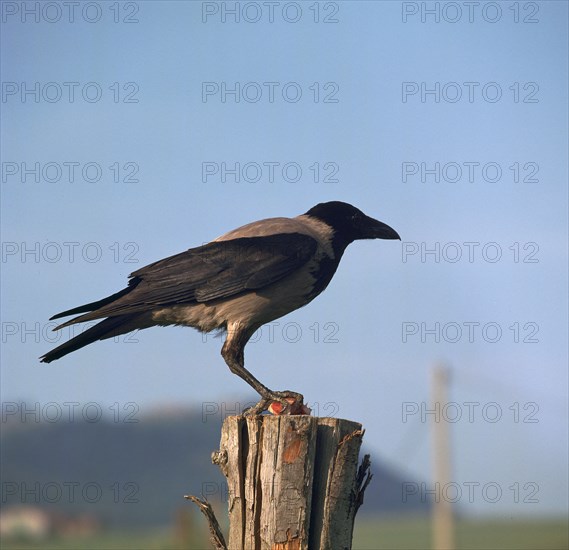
(383, 290)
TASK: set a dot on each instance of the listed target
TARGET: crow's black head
(351, 224)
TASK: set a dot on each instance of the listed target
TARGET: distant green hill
(135, 474)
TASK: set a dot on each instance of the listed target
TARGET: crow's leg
(233, 354)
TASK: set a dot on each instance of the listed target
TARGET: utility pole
(443, 521)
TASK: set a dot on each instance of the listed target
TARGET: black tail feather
(105, 329)
(94, 305)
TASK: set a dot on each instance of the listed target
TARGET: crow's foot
(279, 402)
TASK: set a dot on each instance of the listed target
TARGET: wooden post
(294, 481)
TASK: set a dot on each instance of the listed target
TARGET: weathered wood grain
(293, 481)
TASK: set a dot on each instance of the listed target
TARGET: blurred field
(470, 535)
(370, 535)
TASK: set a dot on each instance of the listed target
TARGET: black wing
(216, 270)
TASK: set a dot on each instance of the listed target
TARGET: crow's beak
(374, 229)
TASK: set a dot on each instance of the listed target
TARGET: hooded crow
(236, 283)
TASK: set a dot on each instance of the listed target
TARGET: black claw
(257, 409)
(270, 397)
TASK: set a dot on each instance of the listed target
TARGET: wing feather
(220, 269)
